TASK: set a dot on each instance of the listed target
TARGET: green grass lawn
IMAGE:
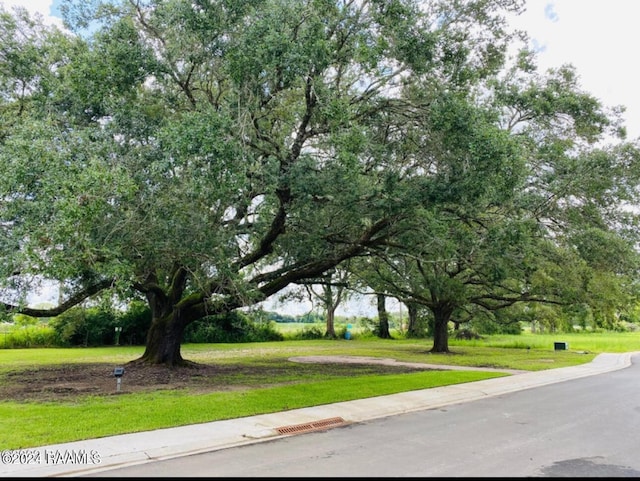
(32, 424)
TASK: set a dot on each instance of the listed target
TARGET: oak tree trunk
(383, 318)
(163, 341)
(413, 329)
(331, 322)
(442, 315)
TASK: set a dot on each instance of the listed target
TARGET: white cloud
(42, 7)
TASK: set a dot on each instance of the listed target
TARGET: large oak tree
(207, 154)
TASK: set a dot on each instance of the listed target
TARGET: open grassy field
(41, 402)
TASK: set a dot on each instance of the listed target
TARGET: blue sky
(54, 9)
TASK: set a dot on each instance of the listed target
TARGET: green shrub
(489, 326)
(18, 337)
(342, 332)
(307, 333)
(628, 327)
(370, 325)
(135, 323)
(233, 327)
(467, 334)
(84, 327)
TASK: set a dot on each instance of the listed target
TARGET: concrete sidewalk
(95, 455)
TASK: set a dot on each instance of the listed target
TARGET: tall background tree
(328, 291)
(557, 230)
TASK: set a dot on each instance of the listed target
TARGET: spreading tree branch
(74, 300)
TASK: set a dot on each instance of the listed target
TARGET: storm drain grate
(312, 426)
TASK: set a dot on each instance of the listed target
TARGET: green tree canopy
(557, 229)
(204, 155)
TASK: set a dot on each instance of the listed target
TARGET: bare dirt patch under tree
(68, 381)
(65, 382)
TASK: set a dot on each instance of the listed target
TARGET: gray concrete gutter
(96, 455)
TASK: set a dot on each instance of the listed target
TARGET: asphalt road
(586, 427)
